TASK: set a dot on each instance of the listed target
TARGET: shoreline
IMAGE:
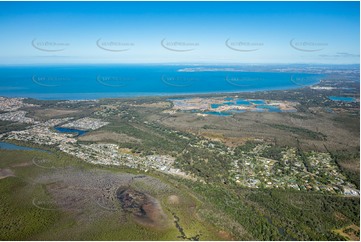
(146, 95)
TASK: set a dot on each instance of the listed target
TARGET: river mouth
(145, 209)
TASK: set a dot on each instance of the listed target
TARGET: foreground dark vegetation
(212, 209)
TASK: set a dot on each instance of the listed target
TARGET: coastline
(116, 95)
(138, 81)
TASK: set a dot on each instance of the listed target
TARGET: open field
(108, 136)
(54, 113)
(313, 132)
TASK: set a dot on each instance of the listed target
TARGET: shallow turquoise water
(243, 102)
(218, 113)
(257, 102)
(228, 103)
(270, 108)
(106, 81)
(215, 105)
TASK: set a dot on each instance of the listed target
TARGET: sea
(79, 82)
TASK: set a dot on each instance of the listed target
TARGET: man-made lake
(9, 146)
(218, 113)
(78, 132)
(269, 108)
(342, 99)
(243, 102)
(239, 102)
(259, 104)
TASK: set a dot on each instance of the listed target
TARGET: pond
(9, 146)
(342, 99)
(243, 102)
(215, 105)
(228, 103)
(218, 113)
(237, 111)
(270, 108)
(258, 102)
(78, 132)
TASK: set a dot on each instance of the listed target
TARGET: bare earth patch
(145, 209)
(153, 105)
(22, 164)
(224, 235)
(351, 165)
(95, 194)
(351, 232)
(107, 136)
(173, 199)
(51, 112)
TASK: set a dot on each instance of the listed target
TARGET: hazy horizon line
(181, 63)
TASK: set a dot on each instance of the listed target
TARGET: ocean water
(107, 81)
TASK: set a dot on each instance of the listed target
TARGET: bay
(69, 82)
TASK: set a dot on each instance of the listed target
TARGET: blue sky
(179, 32)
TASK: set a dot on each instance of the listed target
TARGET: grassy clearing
(306, 133)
